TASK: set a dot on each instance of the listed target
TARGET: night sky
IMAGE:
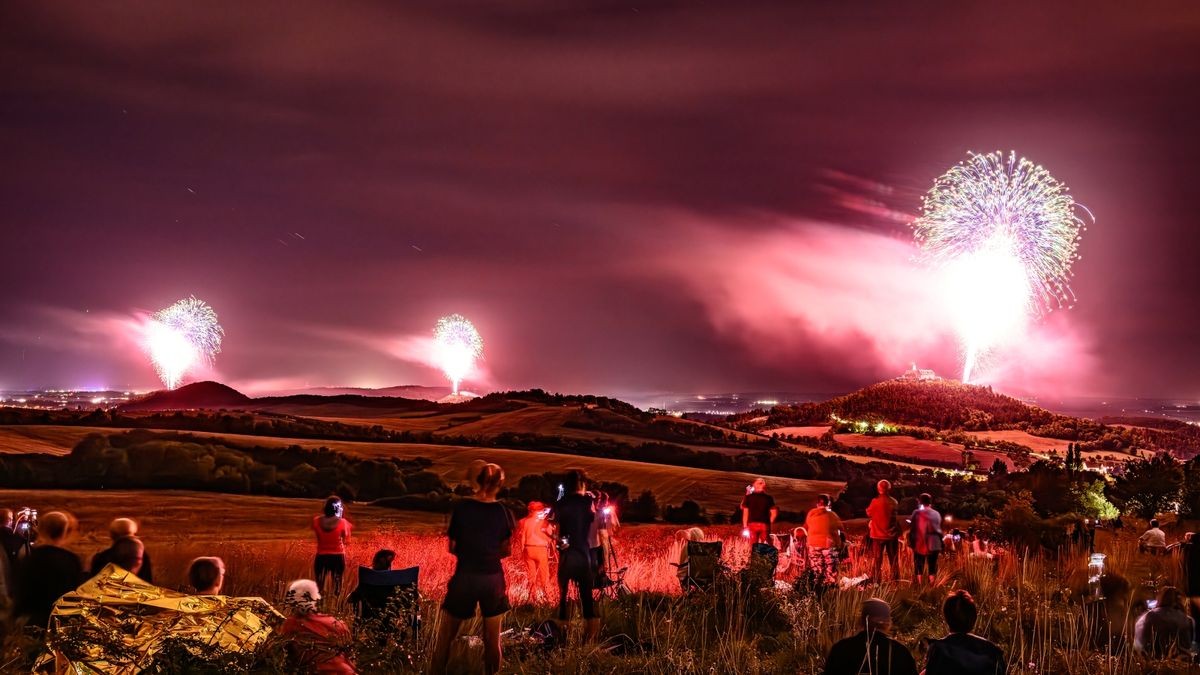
(623, 198)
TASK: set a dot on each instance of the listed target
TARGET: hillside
(195, 396)
(945, 406)
(942, 404)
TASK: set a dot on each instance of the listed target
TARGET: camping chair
(783, 544)
(764, 559)
(386, 599)
(702, 565)
(614, 587)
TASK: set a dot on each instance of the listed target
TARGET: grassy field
(811, 432)
(918, 448)
(715, 490)
(173, 517)
(1039, 444)
(54, 440)
(1034, 608)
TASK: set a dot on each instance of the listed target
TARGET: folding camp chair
(388, 599)
(703, 564)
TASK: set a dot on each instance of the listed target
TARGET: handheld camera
(27, 520)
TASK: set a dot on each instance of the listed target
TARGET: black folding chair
(702, 565)
(386, 599)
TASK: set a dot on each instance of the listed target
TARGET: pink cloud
(852, 300)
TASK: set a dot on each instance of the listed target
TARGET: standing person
(962, 652)
(574, 514)
(317, 643)
(10, 541)
(925, 535)
(333, 533)
(536, 543)
(884, 531)
(117, 530)
(481, 534)
(206, 575)
(824, 538)
(758, 512)
(871, 650)
(49, 571)
(1191, 578)
(607, 522)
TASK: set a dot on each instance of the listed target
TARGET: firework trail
(1005, 233)
(182, 336)
(456, 347)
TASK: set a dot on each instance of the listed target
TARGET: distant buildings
(916, 374)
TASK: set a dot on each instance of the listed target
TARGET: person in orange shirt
(824, 537)
(884, 531)
(333, 533)
(534, 540)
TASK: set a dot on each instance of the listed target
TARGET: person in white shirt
(1153, 540)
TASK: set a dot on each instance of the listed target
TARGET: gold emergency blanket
(115, 624)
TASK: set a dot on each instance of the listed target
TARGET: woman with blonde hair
(481, 532)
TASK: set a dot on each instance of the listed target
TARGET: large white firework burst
(1006, 234)
(182, 336)
(457, 345)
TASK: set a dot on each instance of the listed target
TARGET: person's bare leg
(492, 654)
(447, 628)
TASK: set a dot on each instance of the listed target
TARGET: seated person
(1165, 630)
(370, 601)
(1153, 540)
(962, 652)
(206, 575)
(317, 643)
(690, 534)
(871, 650)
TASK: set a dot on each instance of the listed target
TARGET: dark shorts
(921, 561)
(890, 547)
(467, 590)
(330, 563)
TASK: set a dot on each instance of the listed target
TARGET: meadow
(1039, 609)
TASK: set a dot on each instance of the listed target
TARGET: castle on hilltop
(916, 374)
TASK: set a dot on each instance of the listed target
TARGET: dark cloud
(569, 176)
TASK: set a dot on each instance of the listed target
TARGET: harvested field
(717, 490)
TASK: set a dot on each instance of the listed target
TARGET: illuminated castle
(916, 374)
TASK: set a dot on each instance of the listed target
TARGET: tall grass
(1039, 609)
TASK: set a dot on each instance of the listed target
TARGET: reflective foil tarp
(115, 623)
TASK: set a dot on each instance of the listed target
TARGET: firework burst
(456, 347)
(182, 336)
(1005, 233)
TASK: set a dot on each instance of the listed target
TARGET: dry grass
(1032, 607)
(918, 448)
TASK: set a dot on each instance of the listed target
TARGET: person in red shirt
(758, 512)
(333, 533)
(317, 643)
(884, 531)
